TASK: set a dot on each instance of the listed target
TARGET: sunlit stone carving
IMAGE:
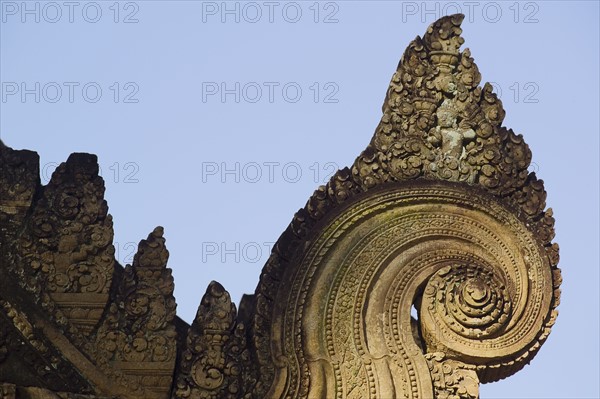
(439, 213)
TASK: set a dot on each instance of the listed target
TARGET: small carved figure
(450, 136)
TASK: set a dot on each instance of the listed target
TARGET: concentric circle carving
(471, 300)
(482, 279)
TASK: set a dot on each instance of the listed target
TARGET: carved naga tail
(439, 213)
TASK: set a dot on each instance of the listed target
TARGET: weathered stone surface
(439, 213)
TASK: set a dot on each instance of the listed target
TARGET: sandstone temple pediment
(439, 213)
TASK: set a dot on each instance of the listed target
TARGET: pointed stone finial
(136, 341)
(215, 362)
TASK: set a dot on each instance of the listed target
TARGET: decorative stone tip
(215, 289)
(443, 36)
(83, 163)
(157, 232)
(152, 252)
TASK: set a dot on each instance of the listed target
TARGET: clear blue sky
(218, 120)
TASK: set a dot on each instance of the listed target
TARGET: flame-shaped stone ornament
(438, 214)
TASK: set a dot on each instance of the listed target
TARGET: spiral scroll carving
(470, 300)
(420, 271)
(440, 212)
(482, 280)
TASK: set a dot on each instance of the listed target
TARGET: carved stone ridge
(439, 215)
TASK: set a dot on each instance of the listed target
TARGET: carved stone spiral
(481, 281)
(439, 213)
(471, 300)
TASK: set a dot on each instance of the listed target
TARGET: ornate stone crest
(438, 214)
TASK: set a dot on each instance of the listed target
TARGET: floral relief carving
(215, 361)
(439, 215)
(139, 330)
(439, 123)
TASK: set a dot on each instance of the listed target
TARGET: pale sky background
(166, 137)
